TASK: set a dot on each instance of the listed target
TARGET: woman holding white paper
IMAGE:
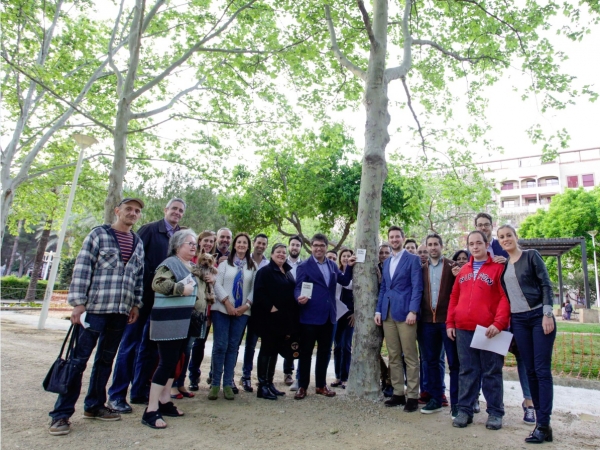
(478, 299)
(527, 284)
(342, 353)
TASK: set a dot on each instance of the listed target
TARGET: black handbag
(64, 371)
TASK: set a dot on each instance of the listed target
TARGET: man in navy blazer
(318, 313)
(398, 305)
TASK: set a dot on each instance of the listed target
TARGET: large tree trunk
(14, 249)
(364, 372)
(39, 261)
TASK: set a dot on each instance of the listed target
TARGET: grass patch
(576, 327)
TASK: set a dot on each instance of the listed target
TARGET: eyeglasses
(191, 244)
(484, 225)
(319, 245)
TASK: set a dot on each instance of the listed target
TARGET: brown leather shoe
(300, 394)
(325, 391)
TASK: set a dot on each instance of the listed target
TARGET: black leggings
(169, 353)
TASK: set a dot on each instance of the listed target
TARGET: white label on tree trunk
(361, 253)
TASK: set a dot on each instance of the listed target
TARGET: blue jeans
(106, 331)
(288, 366)
(536, 352)
(434, 341)
(423, 375)
(227, 333)
(250, 347)
(342, 352)
(146, 362)
(124, 366)
(197, 356)
(476, 364)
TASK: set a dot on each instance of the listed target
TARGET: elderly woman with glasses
(175, 302)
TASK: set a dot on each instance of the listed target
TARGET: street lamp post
(593, 234)
(83, 141)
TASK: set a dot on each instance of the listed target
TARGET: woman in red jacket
(478, 299)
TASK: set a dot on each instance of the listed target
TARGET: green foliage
(202, 203)
(14, 288)
(571, 214)
(311, 177)
(65, 273)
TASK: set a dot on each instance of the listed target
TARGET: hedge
(14, 288)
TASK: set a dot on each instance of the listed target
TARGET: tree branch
(111, 62)
(153, 112)
(341, 58)
(367, 22)
(409, 103)
(189, 53)
(394, 73)
(447, 52)
(59, 97)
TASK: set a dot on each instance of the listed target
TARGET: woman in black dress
(275, 316)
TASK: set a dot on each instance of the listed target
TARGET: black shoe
(476, 407)
(194, 385)
(119, 405)
(263, 391)
(274, 390)
(138, 400)
(247, 385)
(462, 420)
(235, 389)
(539, 435)
(412, 405)
(396, 400)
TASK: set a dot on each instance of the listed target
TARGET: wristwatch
(549, 314)
(249, 305)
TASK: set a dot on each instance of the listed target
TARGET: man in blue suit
(318, 313)
(397, 308)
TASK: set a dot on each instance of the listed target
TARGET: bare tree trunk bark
(15, 246)
(39, 261)
(364, 371)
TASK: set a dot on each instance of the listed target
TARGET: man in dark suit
(318, 313)
(398, 306)
(137, 354)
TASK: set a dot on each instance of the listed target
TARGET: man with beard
(223, 242)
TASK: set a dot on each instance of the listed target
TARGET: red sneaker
(424, 398)
(445, 401)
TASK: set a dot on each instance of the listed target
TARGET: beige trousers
(401, 338)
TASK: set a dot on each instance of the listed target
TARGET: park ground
(251, 423)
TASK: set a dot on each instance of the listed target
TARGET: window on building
(508, 186)
(552, 182)
(531, 183)
(508, 204)
(531, 201)
(545, 200)
(573, 181)
(587, 180)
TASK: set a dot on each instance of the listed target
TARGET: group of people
(151, 298)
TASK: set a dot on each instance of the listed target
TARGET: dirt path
(247, 422)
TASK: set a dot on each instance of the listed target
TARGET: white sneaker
(294, 386)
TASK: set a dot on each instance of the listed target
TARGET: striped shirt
(476, 266)
(125, 240)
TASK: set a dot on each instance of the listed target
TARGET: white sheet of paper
(84, 324)
(306, 290)
(498, 344)
(189, 280)
(341, 309)
(361, 253)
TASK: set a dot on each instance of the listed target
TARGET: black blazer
(533, 279)
(273, 288)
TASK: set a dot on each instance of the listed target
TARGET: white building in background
(526, 184)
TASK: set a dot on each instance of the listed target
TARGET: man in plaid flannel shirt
(107, 286)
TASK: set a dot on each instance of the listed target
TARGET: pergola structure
(558, 247)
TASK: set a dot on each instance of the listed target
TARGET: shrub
(14, 288)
